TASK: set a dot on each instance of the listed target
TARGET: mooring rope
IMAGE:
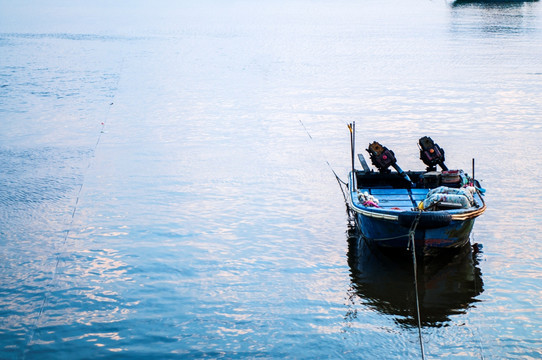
(412, 243)
(339, 180)
(53, 279)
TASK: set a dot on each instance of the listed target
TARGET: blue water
(165, 189)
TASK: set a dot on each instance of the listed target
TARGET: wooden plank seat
(406, 199)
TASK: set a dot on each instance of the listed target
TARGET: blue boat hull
(392, 235)
(389, 222)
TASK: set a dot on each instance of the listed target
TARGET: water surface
(165, 189)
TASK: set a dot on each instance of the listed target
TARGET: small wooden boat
(426, 210)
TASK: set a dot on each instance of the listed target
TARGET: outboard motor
(431, 154)
(382, 158)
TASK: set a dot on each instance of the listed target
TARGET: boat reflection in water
(448, 284)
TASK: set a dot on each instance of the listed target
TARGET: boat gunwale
(393, 215)
(386, 214)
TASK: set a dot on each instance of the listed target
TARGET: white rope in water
(51, 283)
(415, 266)
(339, 180)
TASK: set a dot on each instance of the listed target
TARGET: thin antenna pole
(473, 181)
(352, 128)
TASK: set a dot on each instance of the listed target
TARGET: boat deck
(404, 199)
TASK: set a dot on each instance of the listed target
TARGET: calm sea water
(165, 189)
